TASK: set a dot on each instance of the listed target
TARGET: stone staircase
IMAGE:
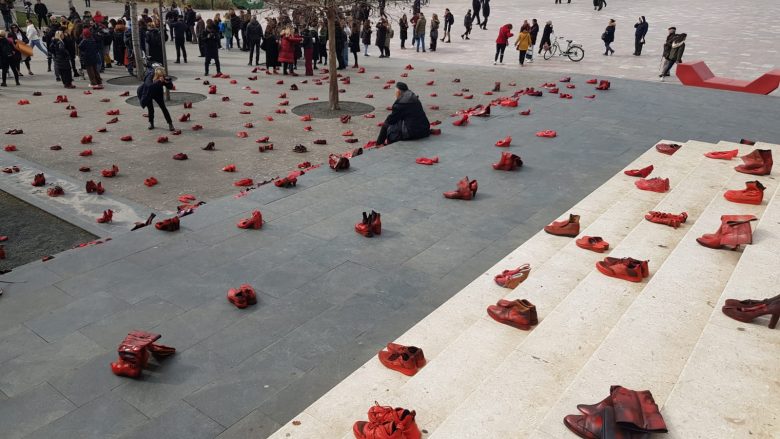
(487, 380)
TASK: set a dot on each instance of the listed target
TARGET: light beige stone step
(651, 343)
(517, 394)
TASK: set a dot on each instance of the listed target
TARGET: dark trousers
(668, 67)
(638, 46)
(65, 75)
(307, 56)
(180, 49)
(522, 56)
(254, 48)
(382, 138)
(500, 52)
(484, 22)
(43, 19)
(434, 39)
(238, 41)
(475, 16)
(216, 62)
(94, 75)
(160, 100)
(13, 68)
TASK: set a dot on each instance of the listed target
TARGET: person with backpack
(668, 46)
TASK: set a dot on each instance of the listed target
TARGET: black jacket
(210, 39)
(60, 54)
(88, 52)
(179, 29)
(254, 31)
(154, 45)
(534, 32)
(407, 121)
(40, 9)
(548, 30)
(609, 34)
(641, 29)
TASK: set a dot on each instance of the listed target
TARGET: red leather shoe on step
(644, 172)
(758, 162)
(668, 219)
(254, 222)
(403, 419)
(242, 296)
(286, 182)
(585, 426)
(570, 227)
(508, 162)
(520, 314)
(407, 360)
(747, 314)
(338, 163)
(593, 243)
(734, 231)
(628, 269)
(656, 184)
(667, 148)
(752, 194)
(512, 278)
(467, 189)
(373, 430)
(722, 155)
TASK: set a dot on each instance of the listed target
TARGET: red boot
(722, 155)
(467, 189)
(520, 314)
(255, 222)
(338, 163)
(108, 216)
(629, 269)
(734, 231)
(668, 219)
(242, 296)
(364, 227)
(570, 227)
(758, 162)
(643, 173)
(637, 411)
(656, 184)
(39, 180)
(752, 194)
(667, 148)
(508, 162)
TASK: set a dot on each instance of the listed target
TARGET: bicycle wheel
(576, 53)
(549, 53)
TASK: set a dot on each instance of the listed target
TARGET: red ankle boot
(39, 180)
(734, 231)
(656, 184)
(508, 162)
(668, 219)
(722, 155)
(338, 163)
(570, 227)
(364, 227)
(168, 225)
(636, 411)
(255, 222)
(108, 216)
(242, 296)
(758, 162)
(467, 189)
(644, 172)
(752, 194)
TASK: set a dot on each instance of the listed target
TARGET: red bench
(697, 74)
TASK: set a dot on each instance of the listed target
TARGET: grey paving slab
(18, 340)
(59, 323)
(180, 420)
(106, 417)
(31, 410)
(20, 306)
(255, 424)
(102, 278)
(90, 380)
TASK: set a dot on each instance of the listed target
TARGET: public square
(301, 363)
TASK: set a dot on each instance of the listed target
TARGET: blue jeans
(421, 42)
(37, 43)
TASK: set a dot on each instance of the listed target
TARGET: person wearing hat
(407, 121)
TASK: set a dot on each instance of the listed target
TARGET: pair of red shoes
(168, 225)
(134, 353)
(624, 414)
(467, 190)
(93, 187)
(508, 162)
(386, 422)
(338, 163)
(289, 181)
(570, 227)
(254, 222)
(371, 224)
(405, 359)
(593, 243)
(110, 173)
(242, 296)
(55, 191)
(512, 278)
(108, 216)
(748, 310)
(39, 180)
(656, 184)
(667, 219)
(643, 173)
(752, 194)
(520, 314)
(603, 85)
(734, 231)
(629, 269)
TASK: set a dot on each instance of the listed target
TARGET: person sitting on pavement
(407, 121)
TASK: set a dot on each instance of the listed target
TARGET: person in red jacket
(504, 34)
(287, 51)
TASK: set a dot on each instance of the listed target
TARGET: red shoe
(435, 131)
(2, 252)
(570, 227)
(304, 165)
(734, 231)
(39, 180)
(407, 360)
(123, 368)
(628, 269)
(168, 225)
(345, 118)
(86, 153)
(758, 162)
(127, 138)
(187, 104)
(752, 194)
(512, 278)
(667, 148)
(520, 314)
(60, 99)
(151, 181)
(255, 222)
(462, 121)
(371, 430)
(364, 227)
(733, 302)
(108, 216)
(162, 139)
(546, 133)
(244, 182)
(427, 161)
(86, 139)
(749, 313)
(591, 81)
(504, 142)
(113, 120)
(74, 113)
(668, 219)
(338, 163)
(644, 172)
(526, 112)
(553, 90)
(180, 156)
(286, 182)
(55, 191)
(586, 426)
(10, 148)
(112, 112)
(508, 162)
(110, 173)
(722, 155)
(656, 184)
(320, 142)
(603, 85)
(242, 296)
(184, 117)
(401, 417)
(467, 189)
(565, 96)
(593, 243)
(197, 127)
(229, 168)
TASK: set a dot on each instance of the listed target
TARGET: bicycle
(575, 52)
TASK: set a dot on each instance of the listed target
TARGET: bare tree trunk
(139, 65)
(333, 85)
(163, 30)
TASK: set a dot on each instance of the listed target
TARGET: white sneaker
(662, 79)
(494, 63)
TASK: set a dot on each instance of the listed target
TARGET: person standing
(7, 57)
(236, 24)
(467, 20)
(523, 43)
(504, 34)
(210, 40)
(287, 42)
(381, 36)
(388, 36)
(546, 36)
(200, 28)
(341, 42)
(61, 60)
(485, 13)
(403, 25)
(419, 32)
(309, 46)
(7, 13)
(434, 32)
(152, 92)
(41, 11)
(533, 33)
(476, 5)
(639, 35)
(119, 42)
(153, 44)
(179, 28)
(668, 46)
(449, 20)
(254, 35)
(323, 40)
(675, 55)
(365, 36)
(354, 42)
(609, 36)
(88, 54)
(271, 46)
(87, 3)
(190, 18)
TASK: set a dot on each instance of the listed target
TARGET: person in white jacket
(34, 38)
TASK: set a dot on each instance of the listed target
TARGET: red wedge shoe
(520, 314)
(593, 243)
(644, 172)
(668, 219)
(752, 194)
(667, 148)
(758, 162)
(242, 296)
(467, 189)
(508, 162)
(656, 184)
(570, 227)
(505, 142)
(254, 222)
(628, 269)
(722, 155)
(512, 278)
(734, 231)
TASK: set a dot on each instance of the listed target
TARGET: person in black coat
(61, 60)
(609, 36)
(639, 35)
(485, 13)
(254, 35)
(210, 39)
(153, 44)
(41, 11)
(235, 24)
(449, 20)
(90, 58)
(546, 35)
(407, 121)
(476, 5)
(179, 29)
(151, 91)
(119, 42)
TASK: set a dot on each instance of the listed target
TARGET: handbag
(604, 36)
(23, 48)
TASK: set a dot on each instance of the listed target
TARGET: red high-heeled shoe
(467, 189)
(512, 278)
(254, 222)
(338, 163)
(39, 180)
(749, 313)
(508, 162)
(108, 216)
(110, 173)
(644, 172)
(750, 302)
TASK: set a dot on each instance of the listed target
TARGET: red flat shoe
(110, 173)
(151, 181)
(593, 243)
(180, 156)
(667, 148)
(570, 227)
(628, 269)
(10, 148)
(108, 216)
(255, 222)
(168, 225)
(667, 219)
(242, 296)
(55, 191)
(244, 182)
(752, 194)
(427, 161)
(656, 184)
(127, 138)
(520, 314)
(113, 121)
(86, 153)
(505, 142)
(722, 155)
(162, 139)
(547, 133)
(320, 142)
(86, 139)
(591, 81)
(372, 430)
(644, 172)
(229, 168)
(526, 112)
